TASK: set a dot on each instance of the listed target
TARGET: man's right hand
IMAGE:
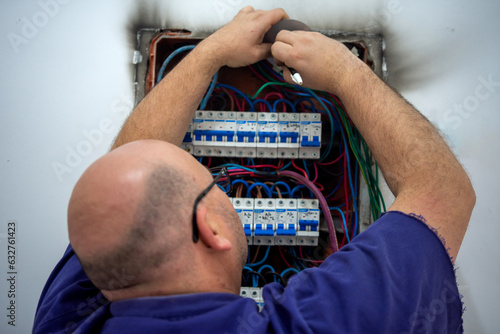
(239, 43)
(323, 63)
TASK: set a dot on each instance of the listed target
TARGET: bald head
(131, 209)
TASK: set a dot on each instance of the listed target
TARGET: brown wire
(230, 97)
(256, 253)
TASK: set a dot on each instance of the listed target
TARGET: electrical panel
(303, 181)
(254, 135)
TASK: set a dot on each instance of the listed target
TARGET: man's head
(129, 222)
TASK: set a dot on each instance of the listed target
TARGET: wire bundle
(333, 179)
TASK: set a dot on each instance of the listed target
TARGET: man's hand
(322, 62)
(166, 111)
(239, 43)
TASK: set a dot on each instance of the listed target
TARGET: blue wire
(275, 104)
(239, 92)
(255, 102)
(343, 204)
(203, 103)
(313, 109)
(267, 266)
(283, 184)
(329, 147)
(307, 170)
(261, 261)
(264, 187)
(297, 263)
(287, 165)
(276, 75)
(298, 187)
(264, 267)
(170, 57)
(240, 181)
(336, 188)
(287, 270)
(236, 166)
(343, 222)
(349, 176)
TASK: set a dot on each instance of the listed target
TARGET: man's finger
(273, 16)
(281, 51)
(246, 9)
(263, 51)
(286, 36)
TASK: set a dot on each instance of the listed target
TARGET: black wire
(324, 169)
(258, 274)
(302, 259)
(274, 274)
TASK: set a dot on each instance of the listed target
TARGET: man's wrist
(212, 54)
(356, 75)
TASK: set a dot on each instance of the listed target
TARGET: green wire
(358, 145)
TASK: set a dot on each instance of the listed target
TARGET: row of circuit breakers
(279, 221)
(254, 135)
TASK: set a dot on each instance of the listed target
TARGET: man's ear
(209, 229)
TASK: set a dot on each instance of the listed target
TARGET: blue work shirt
(396, 277)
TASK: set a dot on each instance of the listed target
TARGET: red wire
(319, 186)
(235, 98)
(273, 93)
(300, 169)
(331, 162)
(262, 105)
(283, 257)
(316, 172)
(257, 74)
(263, 166)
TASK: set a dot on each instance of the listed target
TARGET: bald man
(130, 216)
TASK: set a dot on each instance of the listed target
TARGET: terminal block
(264, 221)
(286, 222)
(213, 133)
(310, 136)
(308, 222)
(267, 135)
(289, 131)
(254, 293)
(246, 131)
(187, 142)
(244, 209)
(254, 134)
(280, 221)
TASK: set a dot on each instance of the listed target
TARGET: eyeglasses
(225, 184)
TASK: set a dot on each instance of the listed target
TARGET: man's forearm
(166, 111)
(418, 165)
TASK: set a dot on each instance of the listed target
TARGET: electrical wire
(170, 57)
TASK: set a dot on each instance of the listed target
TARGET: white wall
(73, 73)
